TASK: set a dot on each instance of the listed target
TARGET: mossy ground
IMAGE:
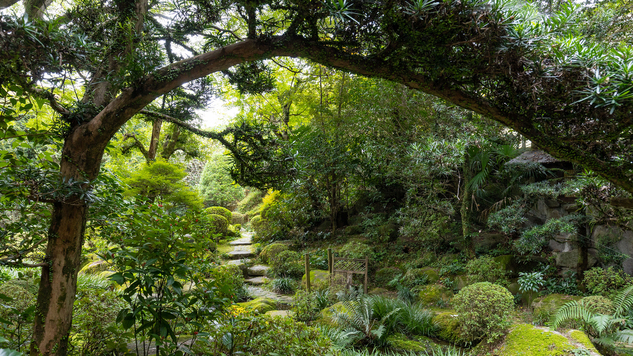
(529, 340)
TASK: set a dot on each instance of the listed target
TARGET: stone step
(238, 262)
(241, 242)
(257, 270)
(240, 254)
(255, 281)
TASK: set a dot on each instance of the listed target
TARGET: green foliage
(228, 281)
(163, 180)
(606, 282)
(509, 220)
(357, 250)
(283, 285)
(250, 201)
(286, 264)
(95, 331)
(270, 251)
(155, 262)
(484, 311)
(485, 269)
(534, 239)
(218, 210)
(307, 306)
(17, 311)
(385, 275)
(216, 185)
(530, 283)
(262, 336)
(598, 304)
(213, 224)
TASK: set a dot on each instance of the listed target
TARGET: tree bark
(153, 145)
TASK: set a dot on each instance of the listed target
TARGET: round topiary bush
(238, 218)
(218, 210)
(286, 264)
(219, 223)
(270, 251)
(483, 311)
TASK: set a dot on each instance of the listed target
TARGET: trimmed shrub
(605, 282)
(486, 269)
(237, 218)
(270, 251)
(214, 224)
(286, 264)
(218, 210)
(484, 311)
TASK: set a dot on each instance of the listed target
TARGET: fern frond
(624, 302)
(572, 311)
(625, 336)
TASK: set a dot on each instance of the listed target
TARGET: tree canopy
(558, 78)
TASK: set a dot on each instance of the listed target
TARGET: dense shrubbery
(286, 264)
(270, 251)
(218, 210)
(229, 282)
(606, 282)
(18, 312)
(240, 332)
(484, 311)
(485, 269)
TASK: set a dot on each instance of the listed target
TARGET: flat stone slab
(238, 262)
(256, 280)
(243, 241)
(257, 270)
(240, 254)
(257, 292)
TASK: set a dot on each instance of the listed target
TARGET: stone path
(242, 252)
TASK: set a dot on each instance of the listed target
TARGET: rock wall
(565, 248)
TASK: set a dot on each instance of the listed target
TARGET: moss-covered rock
(528, 340)
(598, 304)
(326, 317)
(582, 339)
(505, 262)
(544, 308)
(270, 251)
(434, 294)
(259, 305)
(385, 275)
(319, 280)
(401, 343)
(449, 328)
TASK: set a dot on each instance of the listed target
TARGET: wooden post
(366, 272)
(330, 264)
(307, 272)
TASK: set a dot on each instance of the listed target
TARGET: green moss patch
(448, 327)
(259, 305)
(528, 340)
(430, 295)
(545, 307)
(401, 343)
(582, 338)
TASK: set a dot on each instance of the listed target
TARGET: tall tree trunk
(153, 145)
(59, 279)
(466, 210)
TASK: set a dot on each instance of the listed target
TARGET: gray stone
(281, 313)
(256, 281)
(242, 241)
(257, 270)
(570, 259)
(552, 203)
(625, 246)
(561, 243)
(240, 254)
(570, 208)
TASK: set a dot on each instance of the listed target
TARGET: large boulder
(434, 295)
(259, 305)
(570, 258)
(530, 340)
(544, 308)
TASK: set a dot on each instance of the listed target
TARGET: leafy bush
(237, 218)
(598, 304)
(356, 249)
(509, 220)
(534, 239)
(216, 185)
(229, 281)
(286, 264)
(283, 285)
(18, 312)
(385, 275)
(218, 210)
(485, 269)
(218, 223)
(484, 311)
(94, 330)
(605, 282)
(250, 201)
(307, 306)
(270, 251)
(244, 333)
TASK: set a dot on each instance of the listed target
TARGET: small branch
(284, 67)
(51, 99)
(223, 30)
